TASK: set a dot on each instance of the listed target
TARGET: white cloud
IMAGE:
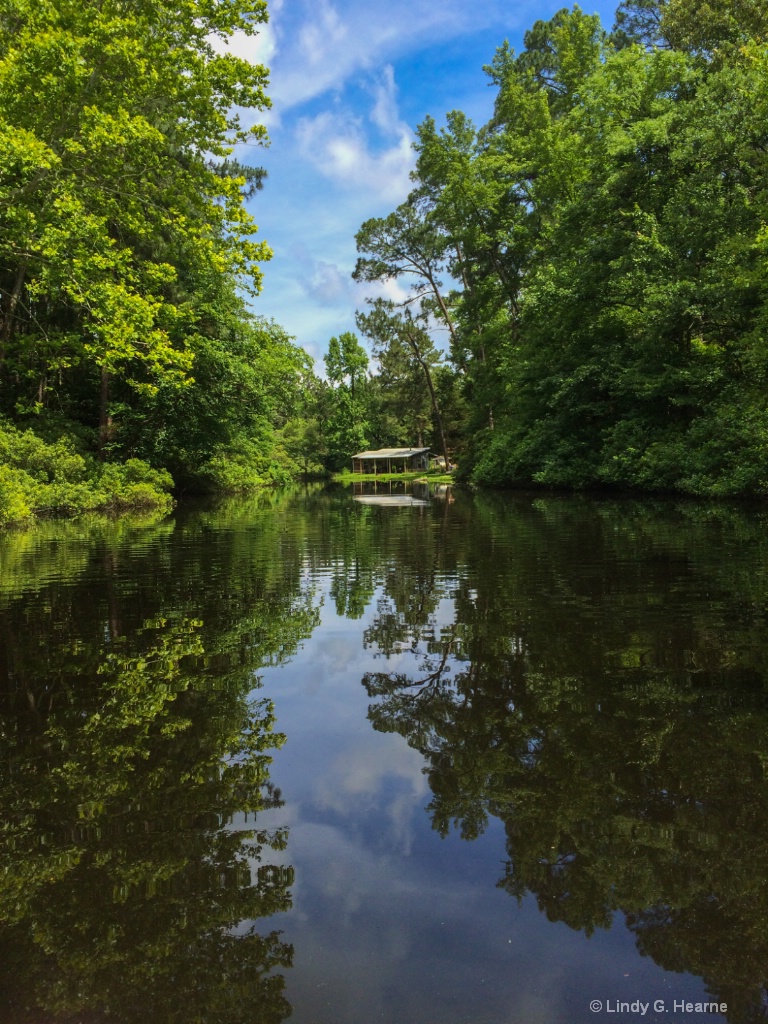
(335, 142)
(332, 42)
(384, 114)
(321, 37)
(341, 150)
(327, 284)
(338, 148)
(327, 50)
(390, 288)
(256, 49)
(330, 283)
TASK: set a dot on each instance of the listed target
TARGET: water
(425, 760)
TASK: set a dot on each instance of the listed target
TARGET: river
(410, 757)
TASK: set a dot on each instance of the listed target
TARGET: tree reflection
(134, 867)
(598, 692)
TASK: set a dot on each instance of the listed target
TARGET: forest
(604, 239)
(585, 274)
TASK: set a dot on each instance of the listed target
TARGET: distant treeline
(598, 255)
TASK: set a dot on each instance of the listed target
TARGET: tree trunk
(105, 419)
(444, 309)
(14, 301)
(430, 386)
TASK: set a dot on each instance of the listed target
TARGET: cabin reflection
(391, 492)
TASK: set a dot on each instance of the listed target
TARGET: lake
(385, 754)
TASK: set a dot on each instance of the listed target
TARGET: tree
(223, 430)
(487, 222)
(406, 242)
(346, 427)
(401, 401)
(346, 362)
(122, 214)
(704, 26)
(639, 21)
(391, 329)
(605, 230)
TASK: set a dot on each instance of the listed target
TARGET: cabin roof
(391, 453)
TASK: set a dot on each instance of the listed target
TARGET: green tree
(605, 229)
(346, 363)
(406, 242)
(102, 155)
(394, 333)
(224, 430)
(705, 26)
(125, 238)
(639, 21)
(346, 423)
(400, 400)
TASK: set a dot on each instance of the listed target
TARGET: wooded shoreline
(596, 255)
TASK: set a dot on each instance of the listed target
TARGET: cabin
(391, 460)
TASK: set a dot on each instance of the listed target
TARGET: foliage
(345, 426)
(605, 233)
(403, 344)
(223, 431)
(103, 143)
(127, 253)
(38, 479)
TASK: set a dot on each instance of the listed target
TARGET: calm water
(420, 760)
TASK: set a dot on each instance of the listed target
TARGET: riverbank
(41, 478)
(433, 476)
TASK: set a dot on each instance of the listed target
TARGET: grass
(433, 476)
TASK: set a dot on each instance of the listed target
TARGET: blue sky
(350, 80)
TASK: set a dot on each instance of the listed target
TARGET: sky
(349, 81)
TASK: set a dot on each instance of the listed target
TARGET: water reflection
(400, 493)
(583, 682)
(594, 681)
(131, 749)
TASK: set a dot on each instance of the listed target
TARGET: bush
(244, 467)
(42, 478)
(15, 490)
